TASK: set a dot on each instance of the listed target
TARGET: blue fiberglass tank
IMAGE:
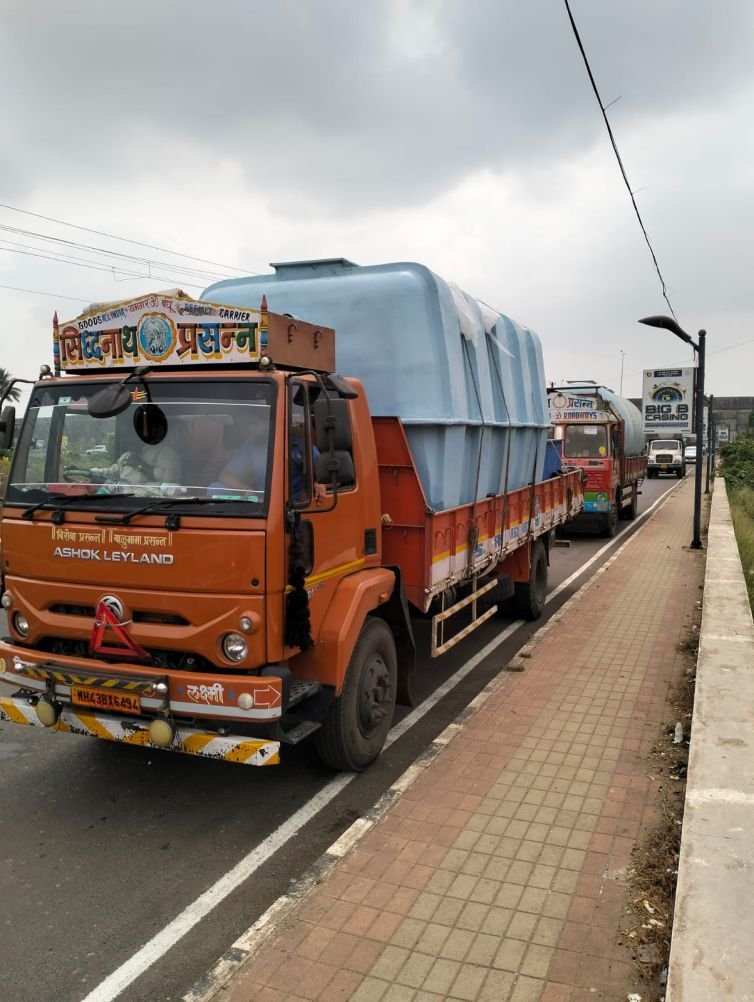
(467, 382)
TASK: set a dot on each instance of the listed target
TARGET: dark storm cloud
(344, 103)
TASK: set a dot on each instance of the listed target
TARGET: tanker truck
(212, 535)
(601, 433)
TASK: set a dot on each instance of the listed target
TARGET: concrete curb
(713, 924)
(249, 943)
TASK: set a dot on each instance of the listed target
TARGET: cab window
(302, 453)
(585, 441)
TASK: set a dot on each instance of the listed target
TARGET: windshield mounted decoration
(169, 329)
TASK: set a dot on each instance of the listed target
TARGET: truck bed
(437, 549)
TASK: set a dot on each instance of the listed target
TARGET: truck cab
(666, 455)
(191, 549)
(596, 449)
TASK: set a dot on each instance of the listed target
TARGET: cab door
(325, 528)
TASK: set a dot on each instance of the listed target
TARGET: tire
(354, 731)
(681, 473)
(611, 524)
(651, 474)
(529, 596)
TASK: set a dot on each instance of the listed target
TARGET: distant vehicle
(666, 456)
(96, 450)
(602, 434)
(689, 453)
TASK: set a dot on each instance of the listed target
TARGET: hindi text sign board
(160, 329)
(567, 407)
(668, 400)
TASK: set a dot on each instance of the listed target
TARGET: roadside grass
(652, 877)
(742, 515)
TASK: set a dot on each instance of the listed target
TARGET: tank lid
(308, 269)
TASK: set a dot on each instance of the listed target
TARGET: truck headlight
(234, 647)
(21, 624)
(7, 600)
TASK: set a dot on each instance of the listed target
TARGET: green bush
(742, 514)
(737, 462)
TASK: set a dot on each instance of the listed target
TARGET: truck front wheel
(358, 721)
(529, 596)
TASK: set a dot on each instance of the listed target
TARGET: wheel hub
(375, 695)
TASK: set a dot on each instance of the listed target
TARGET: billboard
(667, 402)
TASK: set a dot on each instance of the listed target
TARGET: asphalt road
(103, 845)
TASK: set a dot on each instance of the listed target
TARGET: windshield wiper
(65, 499)
(173, 520)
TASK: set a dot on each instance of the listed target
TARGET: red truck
(210, 540)
(601, 433)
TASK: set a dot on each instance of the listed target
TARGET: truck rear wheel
(358, 721)
(529, 596)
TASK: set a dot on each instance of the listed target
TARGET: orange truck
(210, 542)
(601, 433)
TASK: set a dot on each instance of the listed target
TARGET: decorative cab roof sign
(161, 329)
(571, 407)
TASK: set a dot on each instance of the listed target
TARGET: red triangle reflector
(104, 620)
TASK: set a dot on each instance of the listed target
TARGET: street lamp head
(668, 324)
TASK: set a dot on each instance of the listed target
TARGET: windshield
(203, 439)
(666, 444)
(585, 441)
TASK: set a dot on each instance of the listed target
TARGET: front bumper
(251, 699)
(20, 709)
(118, 702)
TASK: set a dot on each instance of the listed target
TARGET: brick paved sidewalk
(499, 875)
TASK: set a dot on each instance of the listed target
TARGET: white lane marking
(166, 939)
(159, 945)
(603, 549)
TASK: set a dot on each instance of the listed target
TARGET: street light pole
(710, 441)
(696, 542)
(669, 324)
(622, 357)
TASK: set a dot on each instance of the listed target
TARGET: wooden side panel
(437, 549)
(295, 343)
(405, 541)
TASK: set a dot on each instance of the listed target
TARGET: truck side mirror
(7, 427)
(331, 417)
(338, 463)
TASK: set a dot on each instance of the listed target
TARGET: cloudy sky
(459, 133)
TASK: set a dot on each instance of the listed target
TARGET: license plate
(105, 699)
(664, 466)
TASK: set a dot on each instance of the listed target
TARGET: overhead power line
(618, 156)
(38, 292)
(78, 263)
(128, 240)
(105, 252)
